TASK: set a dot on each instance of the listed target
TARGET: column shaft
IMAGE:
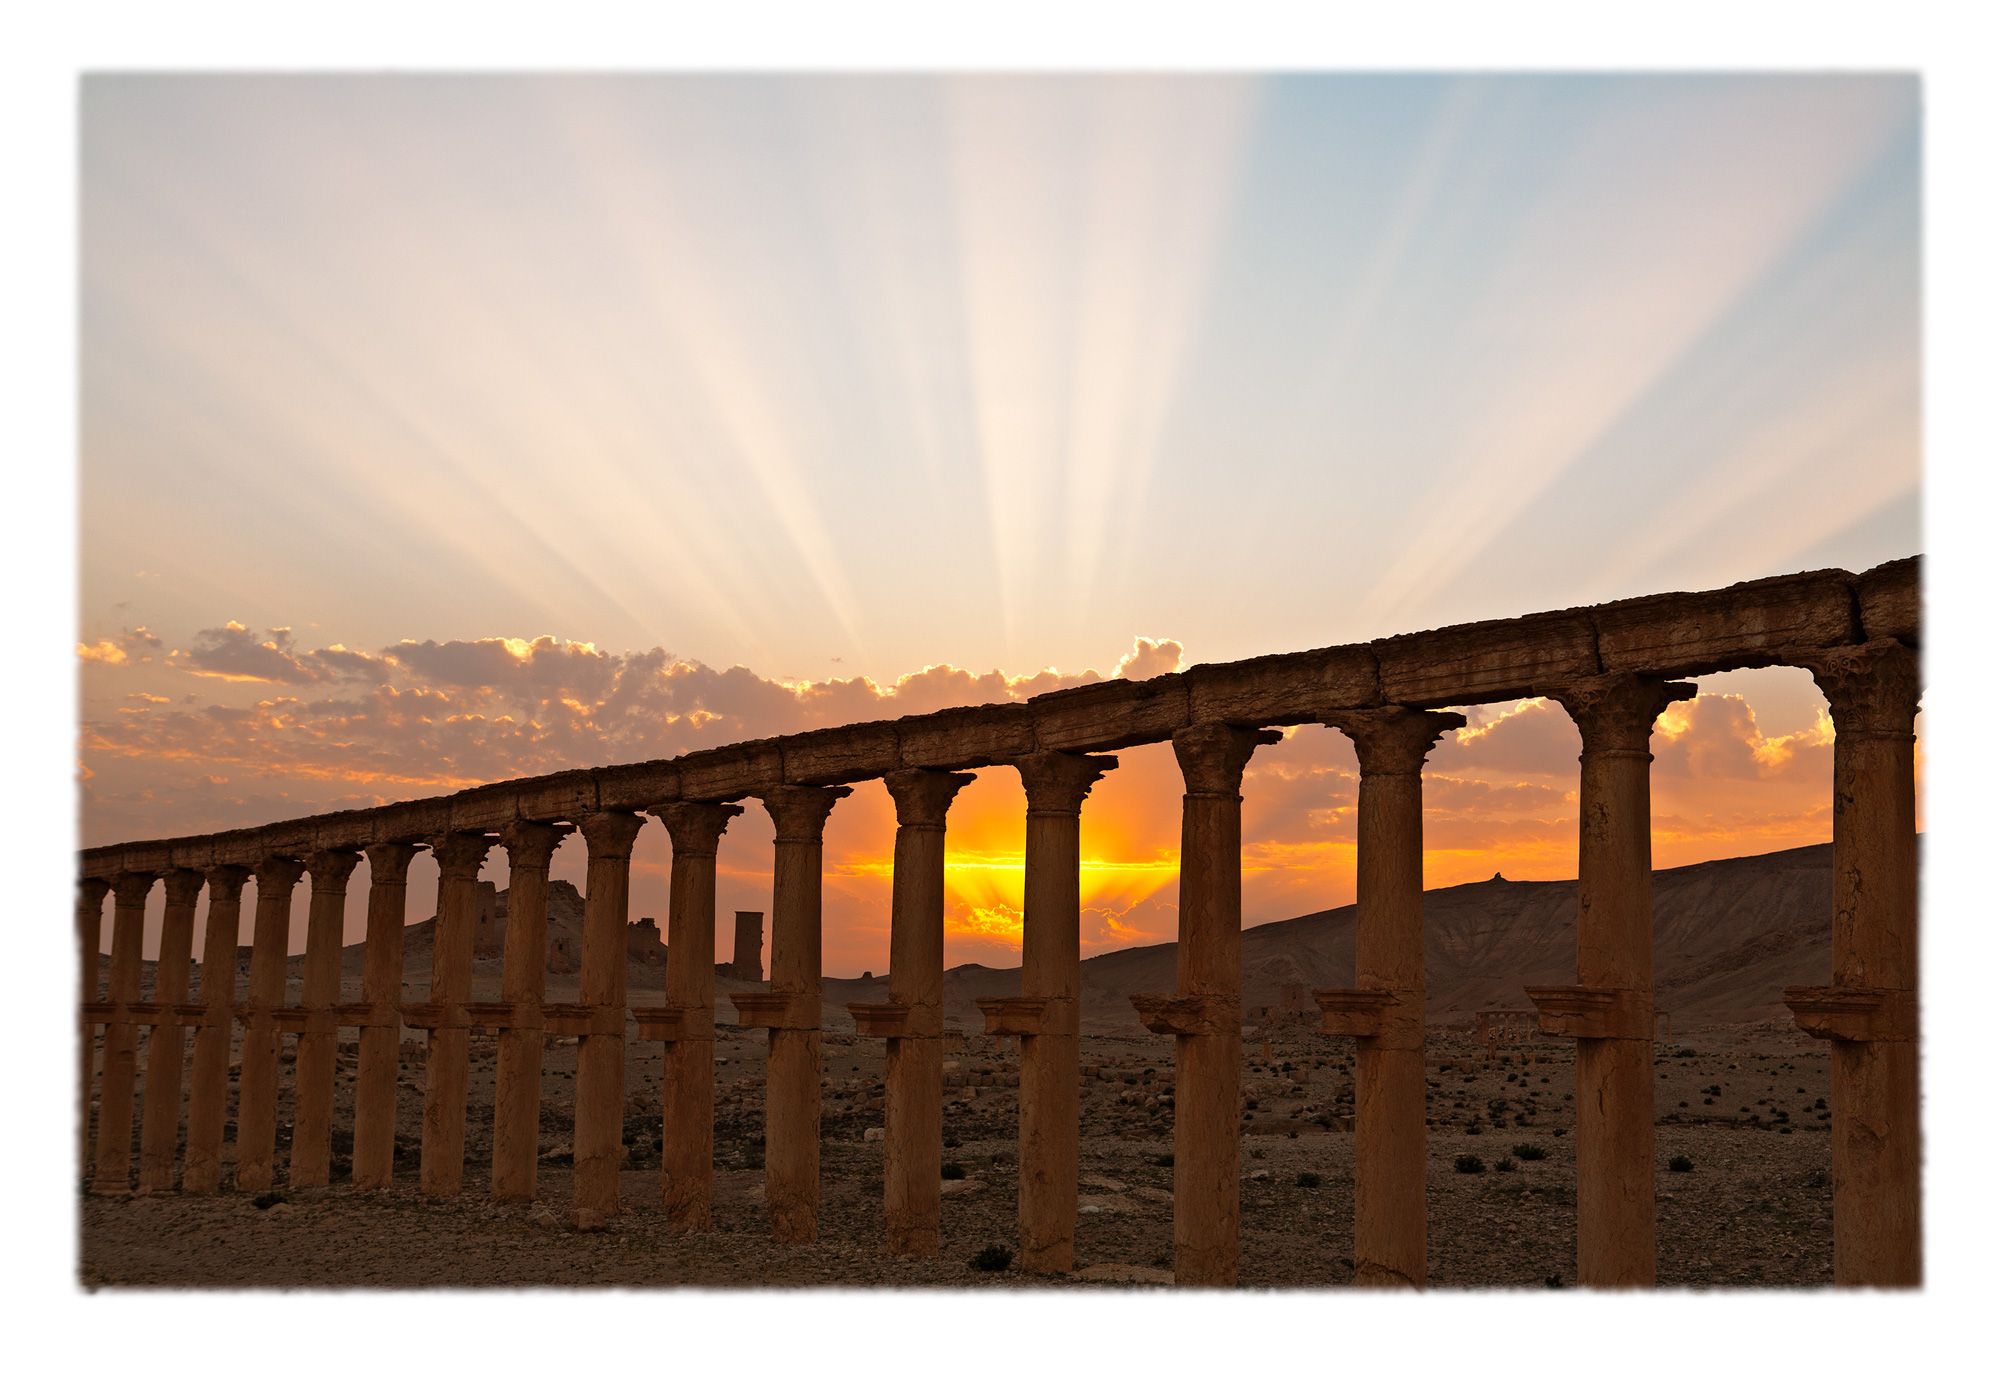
(1056, 785)
(1389, 1131)
(792, 1073)
(379, 1062)
(600, 1057)
(517, 1086)
(1208, 1055)
(1615, 1219)
(167, 1043)
(90, 894)
(1873, 692)
(687, 1148)
(319, 1042)
(913, 1132)
(257, 1089)
(448, 1063)
(113, 1170)
(208, 1082)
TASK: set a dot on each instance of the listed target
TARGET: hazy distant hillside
(1729, 936)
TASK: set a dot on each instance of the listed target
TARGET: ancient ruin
(1613, 668)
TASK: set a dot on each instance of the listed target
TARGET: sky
(437, 430)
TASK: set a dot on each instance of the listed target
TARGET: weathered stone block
(413, 821)
(961, 737)
(638, 786)
(352, 829)
(1742, 626)
(1491, 661)
(566, 795)
(730, 772)
(198, 853)
(861, 751)
(236, 849)
(292, 838)
(1105, 716)
(1283, 689)
(1891, 600)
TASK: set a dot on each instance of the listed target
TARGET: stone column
(1056, 785)
(164, 1048)
(90, 894)
(319, 1040)
(257, 1090)
(1869, 1015)
(113, 1170)
(380, 1060)
(687, 1147)
(792, 1010)
(517, 1086)
(1206, 1012)
(1610, 1010)
(449, 1060)
(913, 1136)
(1389, 1136)
(600, 1056)
(747, 957)
(208, 1084)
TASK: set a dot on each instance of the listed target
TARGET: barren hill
(1728, 937)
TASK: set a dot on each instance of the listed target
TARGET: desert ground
(1743, 1105)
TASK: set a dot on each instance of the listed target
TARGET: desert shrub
(1530, 1152)
(951, 1171)
(1504, 1165)
(1163, 1160)
(992, 1259)
(1468, 1163)
(266, 1200)
(1308, 1179)
(1680, 1162)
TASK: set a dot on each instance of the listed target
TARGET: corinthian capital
(923, 796)
(1615, 713)
(330, 869)
(183, 886)
(132, 888)
(1871, 689)
(530, 845)
(1213, 754)
(461, 855)
(610, 833)
(798, 812)
(1393, 740)
(1057, 782)
(695, 829)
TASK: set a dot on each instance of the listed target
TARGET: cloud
(105, 651)
(1149, 658)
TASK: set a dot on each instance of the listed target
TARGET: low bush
(1468, 1162)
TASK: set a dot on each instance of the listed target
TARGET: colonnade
(1868, 1013)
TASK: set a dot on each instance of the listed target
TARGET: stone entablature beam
(1775, 621)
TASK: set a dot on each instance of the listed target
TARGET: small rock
(960, 1186)
(1154, 1194)
(1262, 1174)
(871, 1135)
(1109, 1184)
(545, 1218)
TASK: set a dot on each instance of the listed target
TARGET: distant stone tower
(748, 962)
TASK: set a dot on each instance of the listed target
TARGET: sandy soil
(1746, 1108)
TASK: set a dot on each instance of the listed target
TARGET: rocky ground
(1745, 1111)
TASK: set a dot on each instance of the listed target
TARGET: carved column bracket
(1380, 1016)
(1854, 1014)
(778, 1009)
(674, 1023)
(1572, 1010)
(1029, 1016)
(1615, 713)
(1190, 1014)
(899, 1021)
